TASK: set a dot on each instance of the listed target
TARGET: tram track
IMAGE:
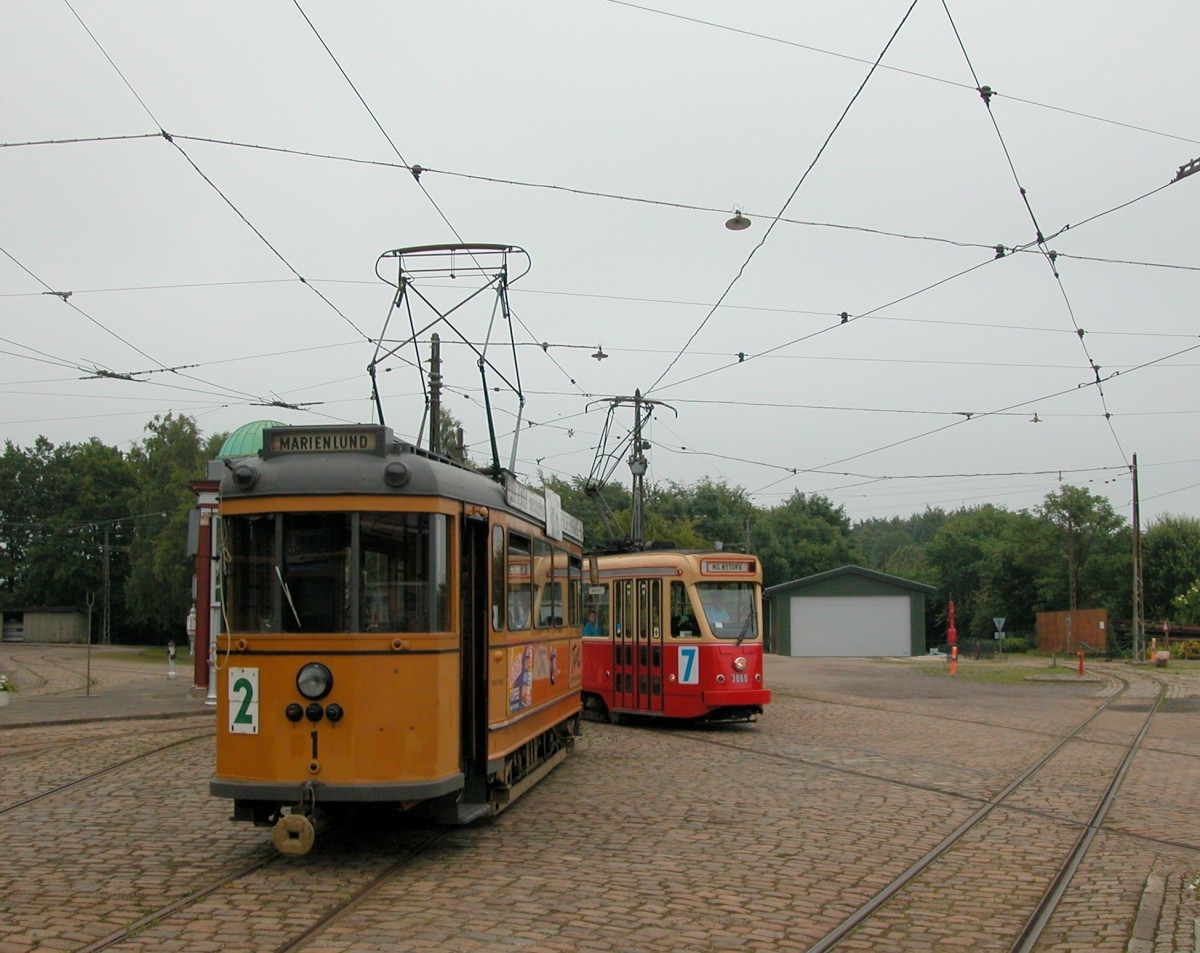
(54, 674)
(193, 908)
(180, 903)
(361, 894)
(100, 772)
(1046, 905)
(17, 747)
(1114, 681)
(706, 737)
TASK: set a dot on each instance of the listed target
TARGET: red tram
(674, 634)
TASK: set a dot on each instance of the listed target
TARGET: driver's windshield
(729, 608)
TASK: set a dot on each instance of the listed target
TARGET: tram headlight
(395, 474)
(245, 476)
(739, 664)
(314, 681)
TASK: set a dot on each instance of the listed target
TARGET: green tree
(56, 503)
(895, 545)
(1170, 563)
(713, 511)
(961, 559)
(1089, 552)
(159, 585)
(807, 534)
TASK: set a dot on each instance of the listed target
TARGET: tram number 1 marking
(243, 701)
(689, 665)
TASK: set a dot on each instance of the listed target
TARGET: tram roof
(329, 467)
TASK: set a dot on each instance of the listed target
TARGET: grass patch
(999, 671)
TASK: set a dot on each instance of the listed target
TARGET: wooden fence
(1063, 631)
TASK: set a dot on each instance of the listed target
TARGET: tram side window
(248, 572)
(497, 577)
(683, 616)
(520, 586)
(314, 571)
(574, 586)
(549, 584)
(595, 618)
(404, 571)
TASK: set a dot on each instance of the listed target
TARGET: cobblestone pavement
(648, 838)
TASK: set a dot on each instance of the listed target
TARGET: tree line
(1073, 551)
(89, 523)
(78, 521)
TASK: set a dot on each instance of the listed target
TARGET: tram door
(637, 645)
(623, 643)
(473, 686)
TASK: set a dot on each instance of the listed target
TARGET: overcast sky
(611, 141)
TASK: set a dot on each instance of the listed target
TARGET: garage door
(850, 625)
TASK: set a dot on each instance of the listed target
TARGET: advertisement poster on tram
(520, 678)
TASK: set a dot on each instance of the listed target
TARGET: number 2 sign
(243, 701)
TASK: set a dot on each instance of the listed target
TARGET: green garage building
(848, 612)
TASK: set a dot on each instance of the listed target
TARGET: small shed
(848, 612)
(51, 624)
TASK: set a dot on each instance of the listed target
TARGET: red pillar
(203, 608)
(206, 498)
(952, 639)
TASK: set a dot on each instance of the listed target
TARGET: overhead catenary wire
(612, 364)
(416, 175)
(985, 93)
(664, 203)
(165, 135)
(986, 414)
(775, 221)
(894, 69)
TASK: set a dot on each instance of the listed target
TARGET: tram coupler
(294, 834)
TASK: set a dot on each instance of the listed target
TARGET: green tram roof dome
(247, 440)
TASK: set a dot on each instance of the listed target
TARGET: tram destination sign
(341, 439)
(708, 566)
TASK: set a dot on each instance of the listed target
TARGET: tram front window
(295, 572)
(729, 609)
(403, 564)
(314, 572)
(248, 556)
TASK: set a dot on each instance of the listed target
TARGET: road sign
(999, 620)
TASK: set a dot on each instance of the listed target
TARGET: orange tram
(397, 631)
(674, 634)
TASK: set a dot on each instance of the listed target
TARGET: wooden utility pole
(1139, 631)
(435, 395)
